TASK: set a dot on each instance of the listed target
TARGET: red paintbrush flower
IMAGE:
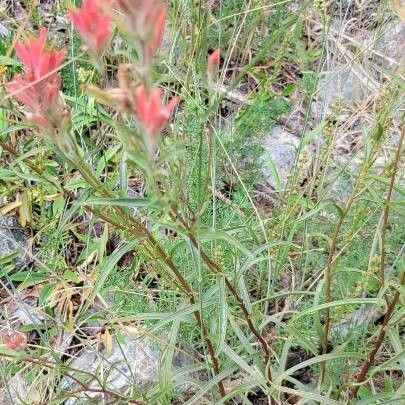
(14, 340)
(155, 18)
(146, 20)
(152, 114)
(93, 26)
(39, 61)
(213, 62)
(39, 86)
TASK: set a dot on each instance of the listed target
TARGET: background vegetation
(287, 181)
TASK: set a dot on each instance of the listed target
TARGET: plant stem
(361, 377)
(213, 266)
(139, 231)
(387, 208)
(331, 255)
(85, 388)
(87, 173)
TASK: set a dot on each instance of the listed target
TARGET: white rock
(280, 152)
(132, 364)
(19, 392)
(340, 86)
(12, 239)
(392, 46)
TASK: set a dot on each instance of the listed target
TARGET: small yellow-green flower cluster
(84, 75)
(3, 69)
(303, 164)
(371, 272)
(320, 5)
(218, 256)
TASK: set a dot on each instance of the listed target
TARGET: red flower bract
(213, 62)
(151, 111)
(93, 26)
(13, 340)
(37, 60)
(38, 87)
(146, 19)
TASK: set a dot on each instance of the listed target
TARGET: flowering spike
(93, 26)
(213, 62)
(14, 340)
(39, 86)
(151, 112)
(37, 60)
(146, 20)
(152, 43)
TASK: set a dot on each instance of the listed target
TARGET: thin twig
(361, 377)
(331, 256)
(387, 209)
(213, 266)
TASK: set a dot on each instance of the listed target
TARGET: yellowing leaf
(70, 321)
(107, 341)
(24, 210)
(10, 206)
(52, 197)
(399, 8)
(132, 330)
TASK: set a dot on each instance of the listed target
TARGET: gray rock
(338, 186)
(347, 6)
(19, 392)
(392, 46)
(280, 152)
(12, 239)
(338, 87)
(133, 364)
(23, 310)
(4, 31)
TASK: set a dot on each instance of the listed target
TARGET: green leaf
(105, 268)
(6, 61)
(108, 155)
(125, 202)
(243, 365)
(70, 275)
(44, 294)
(316, 360)
(31, 327)
(321, 307)
(7, 175)
(57, 206)
(395, 340)
(166, 374)
(378, 132)
(211, 384)
(315, 398)
(386, 182)
(389, 386)
(29, 276)
(206, 234)
(223, 314)
(364, 392)
(9, 258)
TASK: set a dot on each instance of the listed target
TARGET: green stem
(87, 173)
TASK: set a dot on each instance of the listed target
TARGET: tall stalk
(140, 230)
(331, 255)
(361, 376)
(214, 267)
